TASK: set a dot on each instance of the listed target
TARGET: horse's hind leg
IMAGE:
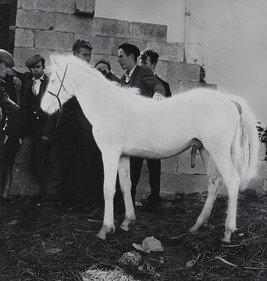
(110, 161)
(125, 183)
(215, 182)
(232, 181)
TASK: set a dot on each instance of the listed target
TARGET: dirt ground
(57, 243)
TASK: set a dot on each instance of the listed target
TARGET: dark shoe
(151, 203)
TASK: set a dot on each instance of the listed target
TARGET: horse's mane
(85, 70)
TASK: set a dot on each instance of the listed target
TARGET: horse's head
(60, 88)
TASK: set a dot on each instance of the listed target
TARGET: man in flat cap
(9, 120)
(145, 80)
(41, 126)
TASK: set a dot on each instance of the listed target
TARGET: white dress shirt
(36, 83)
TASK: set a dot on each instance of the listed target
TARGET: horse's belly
(157, 151)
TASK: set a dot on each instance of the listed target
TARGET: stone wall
(48, 27)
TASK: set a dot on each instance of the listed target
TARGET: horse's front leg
(125, 183)
(110, 162)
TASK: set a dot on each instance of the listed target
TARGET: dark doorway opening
(4, 25)
(8, 12)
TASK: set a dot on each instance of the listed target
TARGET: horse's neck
(92, 102)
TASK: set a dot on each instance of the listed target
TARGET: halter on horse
(126, 124)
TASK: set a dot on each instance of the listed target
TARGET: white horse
(126, 124)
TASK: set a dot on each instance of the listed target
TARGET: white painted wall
(228, 36)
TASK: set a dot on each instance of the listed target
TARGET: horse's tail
(245, 144)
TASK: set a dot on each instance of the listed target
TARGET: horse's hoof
(227, 237)
(102, 234)
(124, 227)
(194, 229)
(126, 223)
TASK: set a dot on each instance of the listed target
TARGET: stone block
(53, 40)
(35, 19)
(21, 54)
(102, 26)
(262, 170)
(169, 165)
(27, 4)
(85, 7)
(183, 183)
(123, 29)
(182, 71)
(73, 24)
(172, 183)
(103, 44)
(24, 38)
(83, 36)
(149, 32)
(184, 165)
(183, 86)
(48, 5)
(168, 51)
(161, 69)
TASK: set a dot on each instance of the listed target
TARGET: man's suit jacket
(166, 86)
(10, 111)
(33, 117)
(144, 79)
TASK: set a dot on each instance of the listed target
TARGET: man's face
(84, 54)
(103, 68)
(124, 61)
(4, 68)
(37, 70)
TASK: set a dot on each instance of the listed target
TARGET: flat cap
(33, 60)
(7, 58)
(130, 48)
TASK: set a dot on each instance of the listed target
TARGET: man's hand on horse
(17, 82)
(158, 96)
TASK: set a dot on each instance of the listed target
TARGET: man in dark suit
(9, 120)
(145, 80)
(149, 59)
(37, 123)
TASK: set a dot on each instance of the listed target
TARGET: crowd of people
(66, 159)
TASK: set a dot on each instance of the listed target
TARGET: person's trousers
(154, 170)
(47, 166)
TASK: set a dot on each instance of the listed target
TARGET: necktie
(36, 86)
